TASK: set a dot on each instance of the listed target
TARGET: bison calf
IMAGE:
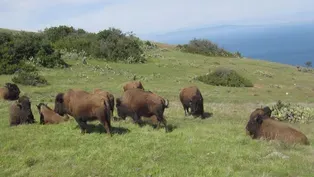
(48, 116)
(137, 102)
(192, 98)
(262, 126)
(132, 85)
(9, 92)
(20, 112)
(83, 106)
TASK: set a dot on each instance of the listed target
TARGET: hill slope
(216, 146)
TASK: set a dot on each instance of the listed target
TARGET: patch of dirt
(258, 86)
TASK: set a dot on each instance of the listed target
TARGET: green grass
(216, 146)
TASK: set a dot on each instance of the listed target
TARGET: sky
(149, 16)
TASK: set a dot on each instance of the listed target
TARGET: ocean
(287, 44)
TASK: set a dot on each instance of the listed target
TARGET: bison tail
(108, 113)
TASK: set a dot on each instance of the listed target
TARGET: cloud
(149, 16)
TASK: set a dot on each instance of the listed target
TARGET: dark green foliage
(114, 45)
(17, 48)
(206, 47)
(29, 78)
(225, 77)
(308, 64)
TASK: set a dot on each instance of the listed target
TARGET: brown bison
(108, 96)
(20, 112)
(10, 92)
(137, 102)
(259, 111)
(132, 85)
(192, 98)
(83, 106)
(48, 116)
(262, 126)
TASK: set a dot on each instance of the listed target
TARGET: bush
(225, 77)
(18, 48)
(114, 45)
(292, 113)
(29, 78)
(206, 47)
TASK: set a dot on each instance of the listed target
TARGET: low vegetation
(31, 78)
(206, 47)
(225, 77)
(292, 112)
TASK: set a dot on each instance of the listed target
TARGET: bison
(192, 98)
(137, 102)
(259, 111)
(108, 96)
(48, 116)
(132, 85)
(10, 92)
(83, 106)
(262, 126)
(20, 112)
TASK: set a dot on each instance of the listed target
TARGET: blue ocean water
(288, 44)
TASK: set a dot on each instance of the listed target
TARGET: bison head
(121, 109)
(254, 124)
(59, 104)
(24, 104)
(196, 105)
(14, 91)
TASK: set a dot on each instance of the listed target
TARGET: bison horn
(166, 103)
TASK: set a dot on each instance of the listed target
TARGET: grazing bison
(132, 85)
(108, 96)
(48, 116)
(262, 126)
(10, 92)
(83, 106)
(20, 112)
(137, 102)
(192, 98)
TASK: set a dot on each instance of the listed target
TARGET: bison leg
(162, 120)
(82, 124)
(137, 119)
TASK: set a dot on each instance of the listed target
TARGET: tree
(308, 64)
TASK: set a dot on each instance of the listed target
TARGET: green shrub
(206, 47)
(114, 45)
(292, 113)
(225, 77)
(29, 78)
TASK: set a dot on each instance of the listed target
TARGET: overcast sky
(149, 16)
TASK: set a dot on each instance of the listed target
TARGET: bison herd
(135, 102)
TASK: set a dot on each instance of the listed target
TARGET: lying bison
(259, 111)
(83, 106)
(20, 112)
(132, 85)
(108, 96)
(192, 98)
(9, 92)
(262, 126)
(137, 102)
(48, 116)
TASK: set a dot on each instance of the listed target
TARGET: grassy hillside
(216, 146)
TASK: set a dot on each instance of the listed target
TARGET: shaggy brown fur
(192, 98)
(132, 85)
(108, 96)
(83, 106)
(9, 92)
(48, 116)
(137, 102)
(262, 126)
(259, 111)
(20, 112)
